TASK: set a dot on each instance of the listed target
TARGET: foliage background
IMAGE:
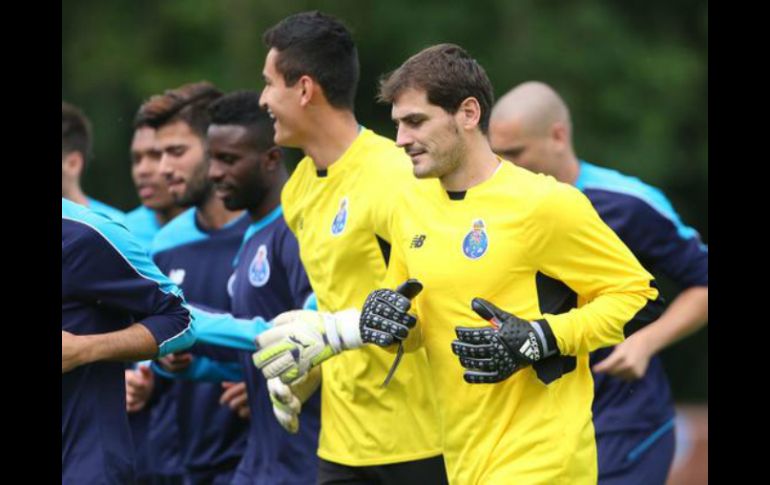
(634, 74)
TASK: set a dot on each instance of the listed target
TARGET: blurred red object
(692, 446)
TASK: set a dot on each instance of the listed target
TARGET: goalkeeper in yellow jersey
(336, 205)
(521, 280)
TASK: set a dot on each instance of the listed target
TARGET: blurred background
(634, 73)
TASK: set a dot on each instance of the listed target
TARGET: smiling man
(479, 233)
(195, 251)
(338, 203)
(248, 173)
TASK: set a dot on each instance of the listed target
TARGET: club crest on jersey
(341, 219)
(176, 276)
(476, 241)
(231, 285)
(259, 270)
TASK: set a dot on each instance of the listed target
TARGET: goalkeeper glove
(287, 400)
(303, 339)
(384, 319)
(286, 406)
(492, 354)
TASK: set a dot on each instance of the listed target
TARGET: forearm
(204, 369)
(599, 323)
(130, 344)
(227, 331)
(684, 316)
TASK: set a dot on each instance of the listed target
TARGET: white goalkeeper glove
(287, 400)
(286, 405)
(303, 339)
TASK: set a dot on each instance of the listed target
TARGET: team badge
(176, 276)
(259, 270)
(231, 285)
(476, 241)
(338, 225)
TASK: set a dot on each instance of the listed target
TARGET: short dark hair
(242, 108)
(448, 75)
(320, 46)
(188, 103)
(75, 131)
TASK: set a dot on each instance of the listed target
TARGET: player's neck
(75, 194)
(479, 164)
(569, 170)
(212, 214)
(331, 137)
(269, 202)
(164, 216)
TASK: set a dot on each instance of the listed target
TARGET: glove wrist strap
(342, 330)
(546, 337)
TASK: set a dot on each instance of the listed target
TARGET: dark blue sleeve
(299, 284)
(661, 243)
(109, 267)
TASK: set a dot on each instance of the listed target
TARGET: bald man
(633, 409)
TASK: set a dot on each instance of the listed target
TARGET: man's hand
(492, 354)
(628, 360)
(303, 339)
(236, 398)
(384, 318)
(176, 362)
(73, 348)
(139, 385)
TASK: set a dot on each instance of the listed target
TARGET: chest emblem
(476, 242)
(231, 285)
(341, 219)
(259, 269)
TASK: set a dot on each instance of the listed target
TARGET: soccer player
(75, 150)
(633, 411)
(337, 203)
(248, 172)
(157, 205)
(521, 281)
(156, 209)
(195, 250)
(112, 291)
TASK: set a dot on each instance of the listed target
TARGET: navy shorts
(636, 457)
(430, 471)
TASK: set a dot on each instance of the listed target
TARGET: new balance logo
(417, 241)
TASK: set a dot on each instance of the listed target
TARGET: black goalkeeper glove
(492, 354)
(384, 318)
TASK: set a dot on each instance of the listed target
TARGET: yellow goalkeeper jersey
(535, 248)
(341, 220)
